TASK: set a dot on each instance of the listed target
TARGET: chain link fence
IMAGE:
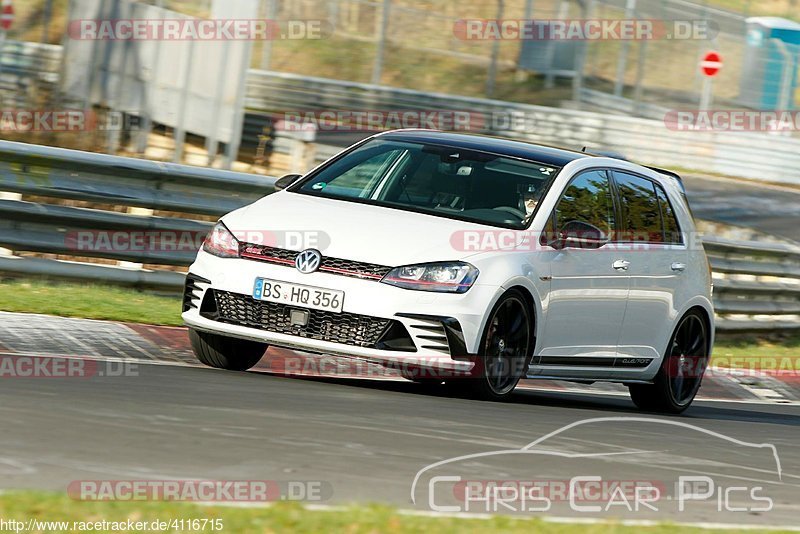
(415, 44)
(653, 74)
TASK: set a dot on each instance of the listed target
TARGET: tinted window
(586, 208)
(672, 231)
(440, 180)
(641, 210)
(362, 178)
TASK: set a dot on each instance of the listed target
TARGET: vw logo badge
(308, 261)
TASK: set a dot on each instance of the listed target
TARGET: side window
(586, 209)
(641, 210)
(672, 231)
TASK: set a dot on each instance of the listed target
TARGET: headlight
(220, 242)
(449, 277)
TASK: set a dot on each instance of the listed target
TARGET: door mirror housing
(564, 241)
(579, 234)
(285, 181)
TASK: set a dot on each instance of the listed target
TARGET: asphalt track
(768, 209)
(366, 440)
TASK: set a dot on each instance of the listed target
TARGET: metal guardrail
(76, 175)
(757, 156)
(25, 67)
(34, 60)
(45, 228)
(759, 286)
(97, 178)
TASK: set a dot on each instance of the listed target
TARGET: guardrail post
(212, 141)
(622, 62)
(270, 13)
(491, 79)
(377, 68)
(180, 126)
(4, 195)
(638, 85)
(141, 212)
(232, 150)
(302, 145)
(48, 15)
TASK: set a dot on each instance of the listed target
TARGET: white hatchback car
(468, 260)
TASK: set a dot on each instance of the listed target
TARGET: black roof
(557, 157)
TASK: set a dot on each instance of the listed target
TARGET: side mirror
(285, 181)
(579, 234)
(561, 243)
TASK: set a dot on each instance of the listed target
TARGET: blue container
(764, 64)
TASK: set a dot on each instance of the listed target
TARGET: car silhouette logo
(308, 261)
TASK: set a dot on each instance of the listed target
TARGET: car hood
(351, 230)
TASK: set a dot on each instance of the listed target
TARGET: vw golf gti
(466, 260)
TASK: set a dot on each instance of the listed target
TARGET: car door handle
(622, 265)
(678, 267)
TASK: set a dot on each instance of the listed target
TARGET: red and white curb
(45, 336)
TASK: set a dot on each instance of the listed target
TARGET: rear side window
(672, 231)
(641, 209)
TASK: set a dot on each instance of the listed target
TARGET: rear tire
(223, 352)
(681, 373)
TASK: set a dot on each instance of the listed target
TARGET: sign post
(6, 20)
(710, 66)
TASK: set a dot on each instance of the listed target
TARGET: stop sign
(711, 64)
(6, 15)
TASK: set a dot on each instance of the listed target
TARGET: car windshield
(439, 180)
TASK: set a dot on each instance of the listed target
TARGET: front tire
(681, 372)
(223, 352)
(506, 346)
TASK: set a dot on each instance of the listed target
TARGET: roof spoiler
(672, 174)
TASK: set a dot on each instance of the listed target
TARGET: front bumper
(444, 328)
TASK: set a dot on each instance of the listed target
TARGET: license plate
(315, 298)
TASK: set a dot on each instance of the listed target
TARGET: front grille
(344, 328)
(282, 256)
